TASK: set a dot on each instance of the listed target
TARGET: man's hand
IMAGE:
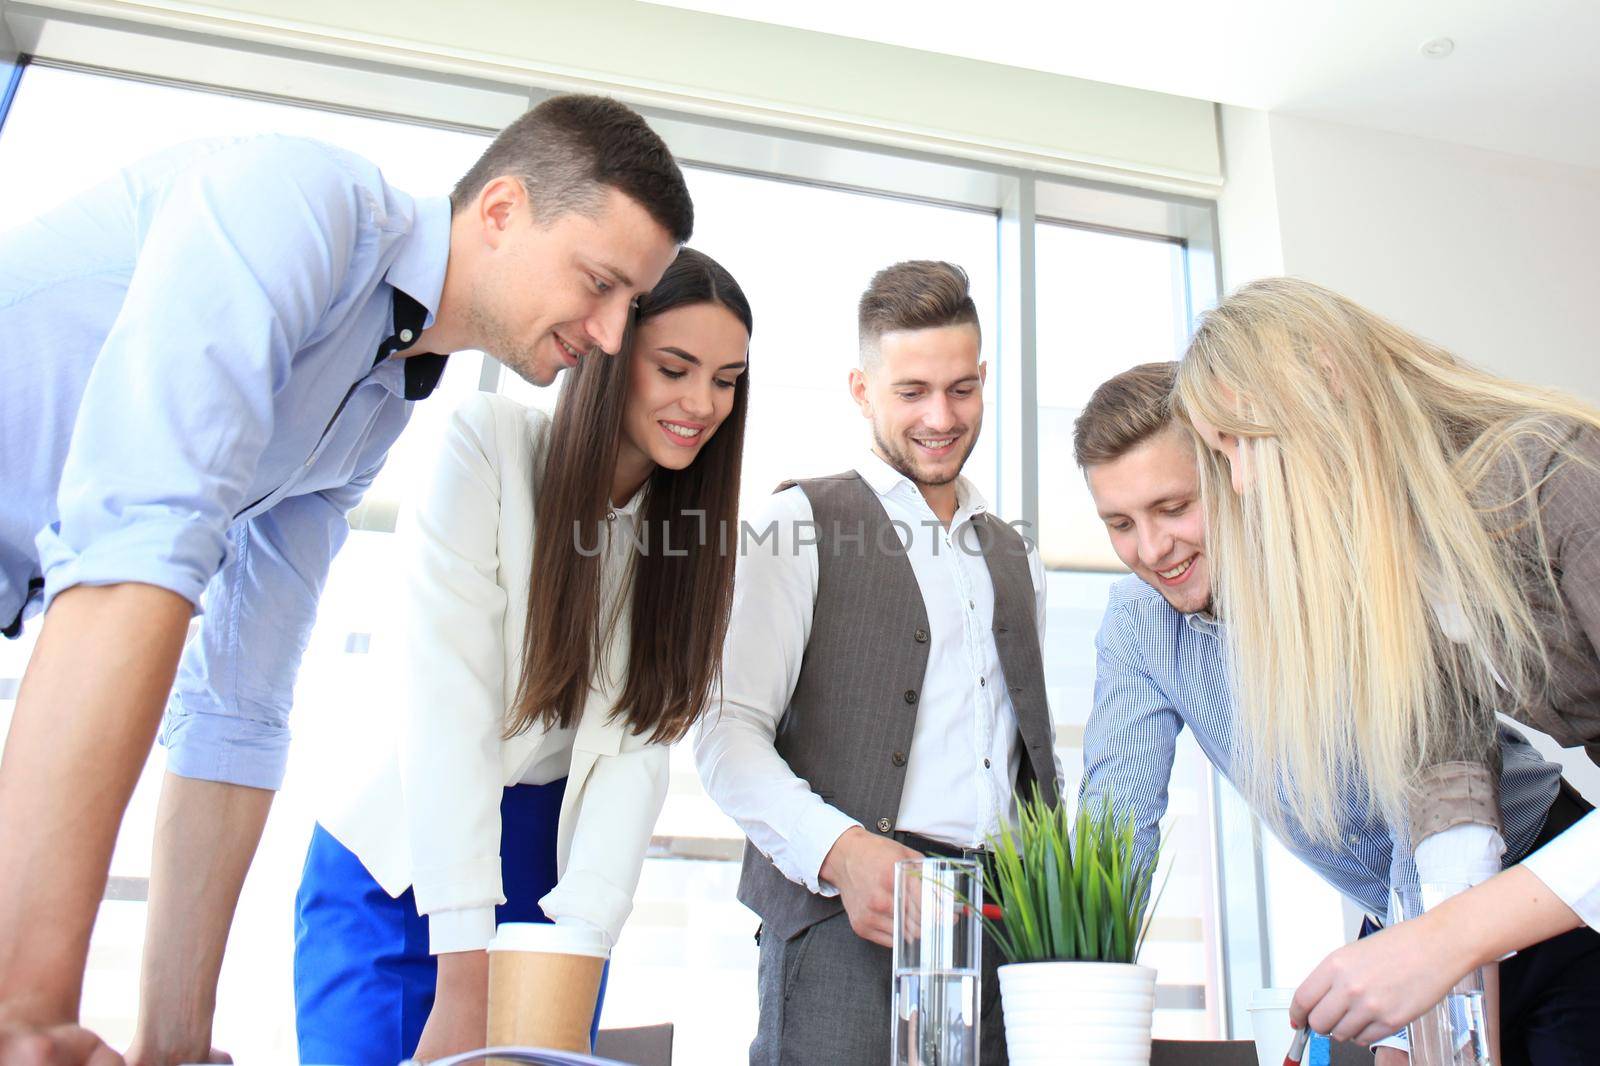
(146, 1052)
(459, 1020)
(861, 866)
(60, 1045)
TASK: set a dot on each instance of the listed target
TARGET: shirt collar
(418, 267)
(635, 501)
(417, 278)
(884, 479)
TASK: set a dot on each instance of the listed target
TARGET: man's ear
(497, 207)
(858, 391)
(983, 375)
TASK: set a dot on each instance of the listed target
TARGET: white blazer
(428, 815)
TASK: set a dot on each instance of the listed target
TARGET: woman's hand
(459, 1020)
(1371, 989)
(1367, 990)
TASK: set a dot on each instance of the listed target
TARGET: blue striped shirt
(192, 401)
(1158, 671)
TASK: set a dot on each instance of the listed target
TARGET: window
(1109, 301)
(803, 250)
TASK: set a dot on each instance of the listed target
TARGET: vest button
(911, 695)
(921, 636)
(883, 825)
(898, 758)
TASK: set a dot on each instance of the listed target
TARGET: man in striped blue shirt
(206, 360)
(1160, 664)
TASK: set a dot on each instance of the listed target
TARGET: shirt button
(883, 825)
(611, 516)
(986, 764)
(971, 606)
(911, 695)
(406, 335)
(982, 683)
(898, 758)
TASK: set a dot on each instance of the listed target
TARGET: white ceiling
(1524, 77)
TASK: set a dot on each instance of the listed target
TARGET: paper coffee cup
(1269, 1019)
(544, 981)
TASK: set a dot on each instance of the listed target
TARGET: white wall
(1494, 256)
(1497, 257)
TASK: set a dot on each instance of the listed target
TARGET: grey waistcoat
(847, 729)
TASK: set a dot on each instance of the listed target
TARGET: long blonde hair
(1375, 575)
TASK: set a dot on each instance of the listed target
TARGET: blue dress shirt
(195, 397)
(1158, 671)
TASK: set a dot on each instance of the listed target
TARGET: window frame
(1020, 200)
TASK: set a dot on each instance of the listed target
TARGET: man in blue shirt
(206, 360)
(1160, 667)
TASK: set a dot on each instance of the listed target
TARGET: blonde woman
(1403, 545)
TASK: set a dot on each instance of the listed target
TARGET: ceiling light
(1437, 48)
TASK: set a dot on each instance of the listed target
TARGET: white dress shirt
(428, 817)
(1570, 867)
(964, 752)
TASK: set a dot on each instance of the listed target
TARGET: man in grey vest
(883, 693)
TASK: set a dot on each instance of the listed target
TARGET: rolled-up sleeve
(228, 719)
(1131, 739)
(235, 270)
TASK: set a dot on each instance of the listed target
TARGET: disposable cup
(1269, 1019)
(544, 981)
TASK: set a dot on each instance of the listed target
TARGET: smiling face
(686, 365)
(1149, 499)
(546, 295)
(924, 396)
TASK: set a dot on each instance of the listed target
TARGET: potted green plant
(1074, 905)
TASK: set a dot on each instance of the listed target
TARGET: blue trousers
(363, 977)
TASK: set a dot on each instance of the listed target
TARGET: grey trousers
(826, 1000)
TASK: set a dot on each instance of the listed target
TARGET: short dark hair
(915, 294)
(570, 148)
(1124, 412)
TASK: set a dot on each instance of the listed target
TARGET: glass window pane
(1107, 302)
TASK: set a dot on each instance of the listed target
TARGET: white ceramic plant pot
(1083, 1013)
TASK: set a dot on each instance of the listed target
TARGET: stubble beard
(497, 342)
(905, 464)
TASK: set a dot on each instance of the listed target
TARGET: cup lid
(550, 938)
(1271, 998)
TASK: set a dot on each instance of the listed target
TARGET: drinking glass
(1454, 1032)
(938, 945)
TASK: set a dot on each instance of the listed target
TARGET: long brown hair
(682, 577)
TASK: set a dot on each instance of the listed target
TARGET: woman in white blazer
(544, 677)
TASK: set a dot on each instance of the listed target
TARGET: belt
(930, 846)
